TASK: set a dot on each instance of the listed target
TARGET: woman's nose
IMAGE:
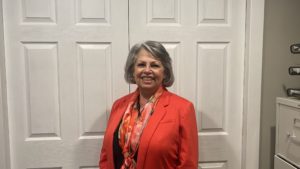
(147, 69)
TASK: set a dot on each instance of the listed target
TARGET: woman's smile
(147, 79)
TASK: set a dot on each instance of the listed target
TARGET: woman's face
(148, 72)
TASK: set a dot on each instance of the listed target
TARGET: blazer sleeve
(188, 148)
(103, 159)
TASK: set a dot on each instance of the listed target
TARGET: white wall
(4, 156)
(281, 29)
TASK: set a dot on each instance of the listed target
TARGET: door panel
(64, 69)
(205, 39)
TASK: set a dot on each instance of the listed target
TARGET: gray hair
(159, 52)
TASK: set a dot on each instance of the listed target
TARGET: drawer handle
(297, 122)
(289, 135)
(292, 137)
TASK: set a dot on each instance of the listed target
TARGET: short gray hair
(159, 52)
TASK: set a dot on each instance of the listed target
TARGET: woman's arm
(103, 159)
(188, 148)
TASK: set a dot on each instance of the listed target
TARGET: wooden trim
(252, 86)
(4, 136)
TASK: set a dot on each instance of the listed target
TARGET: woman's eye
(140, 65)
(155, 65)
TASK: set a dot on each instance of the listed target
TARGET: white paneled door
(205, 38)
(64, 65)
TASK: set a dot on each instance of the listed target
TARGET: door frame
(252, 83)
(252, 88)
(4, 132)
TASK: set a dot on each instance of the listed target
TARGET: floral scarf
(132, 126)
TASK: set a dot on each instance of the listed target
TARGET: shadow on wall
(272, 144)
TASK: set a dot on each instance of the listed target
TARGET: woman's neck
(144, 97)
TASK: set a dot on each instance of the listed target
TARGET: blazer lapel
(158, 114)
(121, 110)
(114, 123)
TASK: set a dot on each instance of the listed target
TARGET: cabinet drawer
(288, 131)
(281, 164)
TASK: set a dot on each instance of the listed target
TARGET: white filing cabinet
(287, 134)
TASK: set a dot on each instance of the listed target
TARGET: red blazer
(169, 141)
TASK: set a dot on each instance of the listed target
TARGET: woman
(150, 128)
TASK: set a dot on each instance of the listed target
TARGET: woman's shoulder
(177, 98)
(181, 105)
(123, 98)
